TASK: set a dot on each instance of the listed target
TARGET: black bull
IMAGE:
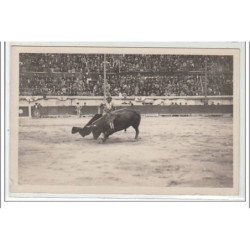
(124, 118)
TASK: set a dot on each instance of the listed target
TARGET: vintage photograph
(124, 120)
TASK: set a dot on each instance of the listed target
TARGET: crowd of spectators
(64, 63)
(60, 84)
(131, 75)
(167, 63)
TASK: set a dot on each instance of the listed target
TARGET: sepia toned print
(124, 121)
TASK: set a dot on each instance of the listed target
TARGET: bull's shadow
(119, 140)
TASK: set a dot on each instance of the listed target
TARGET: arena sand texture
(171, 151)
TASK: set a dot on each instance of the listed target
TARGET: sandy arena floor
(171, 151)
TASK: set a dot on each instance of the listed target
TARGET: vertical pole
(119, 76)
(104, 76)
(206, 82)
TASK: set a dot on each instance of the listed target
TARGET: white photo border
(98, 197)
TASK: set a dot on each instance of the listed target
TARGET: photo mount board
(152, 195)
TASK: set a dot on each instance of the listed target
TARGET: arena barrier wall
(159, 110)
(66, 106)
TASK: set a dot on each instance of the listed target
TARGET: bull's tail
(75, 130)
(138, 120)
(136, 124)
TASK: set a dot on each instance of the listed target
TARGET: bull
(123, 119)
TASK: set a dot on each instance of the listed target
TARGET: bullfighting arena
(192, 151)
